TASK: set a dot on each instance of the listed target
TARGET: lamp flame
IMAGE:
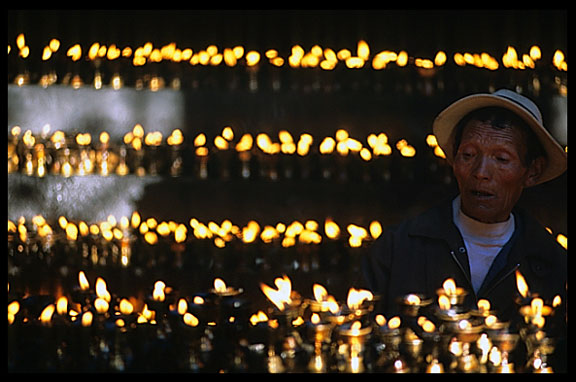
(357, 296)
(220, 285)
(449, 286)
(258, 317)
(83, 281)
(315, 318)
(47, 313)
(332, 229)
(557, 301)
(483, 305)
(355, 328)
(444, 302)
(394, 322)
(281, 296)
(126, 307)
(158, 292)
(412, 299)
(521, 284)
(190, 320)
(62, 305)
(87, 319)
(101, 290)
(320, 293)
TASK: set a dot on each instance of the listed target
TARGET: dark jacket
(419, 254)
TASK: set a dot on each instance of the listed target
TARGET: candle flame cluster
(297, 57)
(152, 230)
(536, 311)
(78, 155)
(321, 319)
(325, 58)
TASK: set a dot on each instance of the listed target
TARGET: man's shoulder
(430, 221)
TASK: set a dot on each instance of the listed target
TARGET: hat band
(521, 105)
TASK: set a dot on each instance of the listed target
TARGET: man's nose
(482, 168)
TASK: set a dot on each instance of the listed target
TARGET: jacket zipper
(463, 271)
(453, 254)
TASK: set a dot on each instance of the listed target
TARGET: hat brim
(445, 123)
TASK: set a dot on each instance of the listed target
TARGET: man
(497, 146)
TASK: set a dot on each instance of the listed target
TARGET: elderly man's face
(490, 172)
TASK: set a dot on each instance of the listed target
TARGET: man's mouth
(482, 194)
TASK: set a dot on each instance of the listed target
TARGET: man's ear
(535, 170)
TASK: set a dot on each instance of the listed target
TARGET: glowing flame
(375, 229)
(126, 307)
(412, 299)
(521, 284)
(281, 296)
(245, 143)
(363, 50)
(220, 285)
(13, 309)
(158, 292)
(47, 313)
(557, 301)
(558, 60)
(331, 229)
(180, 233)
(62, 305)
(440, 58)
(83, 281)
(101, 290)
(75, 52)
(355, 328)
(252, 58)
(315, 318)
(449, 286)
(327, 145)
(221, 143)
(87, 319)
(71, 231)
(537, 304)
(101, 305)
(443, 302)
(483, 305)
(394, 322)
(190, 319)
(562, 240)
(464, 324)
(250, 232)
(20, 41)
(490, 320)
(357, 296)
(147, 314)
(406, 150)
(176, 138)
(320, 293)
(258, 317)
(428, 326)
(380, 320)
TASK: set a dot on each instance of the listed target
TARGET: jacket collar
(437, 223)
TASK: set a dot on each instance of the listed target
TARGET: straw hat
(447, 120)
